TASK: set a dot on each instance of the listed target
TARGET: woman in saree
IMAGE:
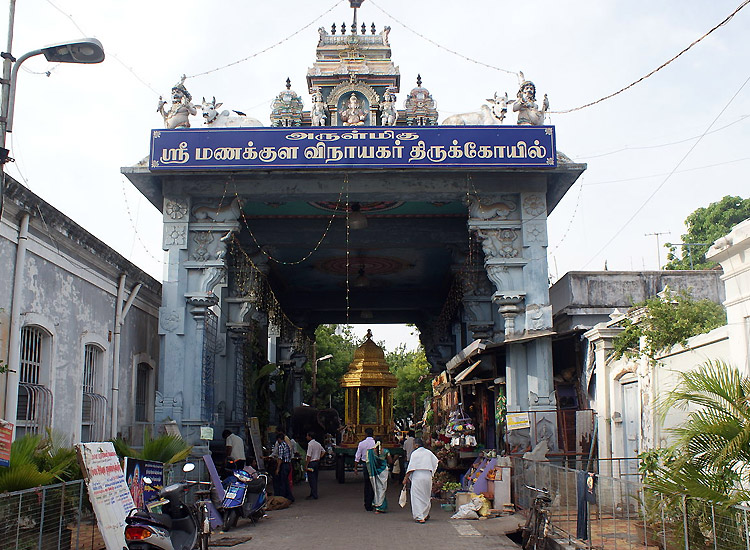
(377, 466)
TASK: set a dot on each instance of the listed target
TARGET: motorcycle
(175, 527)
(244, 496)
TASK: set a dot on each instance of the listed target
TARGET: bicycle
(202, 515)
(538, 526)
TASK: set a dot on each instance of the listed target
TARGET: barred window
(34, 409)
(142, 388)
(93, 405)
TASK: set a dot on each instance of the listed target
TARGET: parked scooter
(244, 496)
(176, 527)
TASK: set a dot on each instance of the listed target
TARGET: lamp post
(315, 378)
(84, 50)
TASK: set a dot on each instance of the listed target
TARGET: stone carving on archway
(364, 92)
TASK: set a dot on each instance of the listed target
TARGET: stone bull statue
(318, 421)
(492, 115)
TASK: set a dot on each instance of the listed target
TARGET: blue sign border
(353, 147)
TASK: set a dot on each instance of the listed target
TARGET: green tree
(414, 383)
(666, 322)
(709, 461)
(705, 225)
(339, 341)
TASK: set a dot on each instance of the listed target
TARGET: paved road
(338, 520)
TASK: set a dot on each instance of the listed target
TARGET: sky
(674, 142)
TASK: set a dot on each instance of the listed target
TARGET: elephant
(318, 421)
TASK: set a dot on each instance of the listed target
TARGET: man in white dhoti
(422, 466)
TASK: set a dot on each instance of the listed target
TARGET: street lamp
(84, 50)
(315, 378)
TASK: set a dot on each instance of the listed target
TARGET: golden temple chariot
(368, 400)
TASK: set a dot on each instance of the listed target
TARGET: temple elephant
(318, 421)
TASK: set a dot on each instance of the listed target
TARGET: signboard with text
(6, 439)
(352, 147)
(108, 492)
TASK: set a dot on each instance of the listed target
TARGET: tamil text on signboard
(331, 147)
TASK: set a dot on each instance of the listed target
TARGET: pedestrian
(235, 450)
(315, 452)
(378, 460)
(360, 457)
(422, 467)
(283, 467)
(408, 445)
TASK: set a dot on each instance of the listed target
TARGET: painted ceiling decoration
(373, 265)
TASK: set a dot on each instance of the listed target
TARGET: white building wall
(69, 289)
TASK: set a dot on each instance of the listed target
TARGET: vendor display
(478, 477)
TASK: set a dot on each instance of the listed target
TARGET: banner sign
(516, 421)
(350, 147)
(108, 492)
(135, 470)
(6, 439)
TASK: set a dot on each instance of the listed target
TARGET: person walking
(422, 466)
(283, 467)
(315, 452)
(361, 458)
(235, 450)
(378, 460)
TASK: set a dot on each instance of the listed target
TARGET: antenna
(658, 245)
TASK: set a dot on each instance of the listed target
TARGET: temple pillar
(602, 338)
(512, 229)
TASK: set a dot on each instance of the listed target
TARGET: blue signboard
(350, 147)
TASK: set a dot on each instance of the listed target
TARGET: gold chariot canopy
(368, 400)
(369, 369)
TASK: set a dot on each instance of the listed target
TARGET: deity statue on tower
(180, 109)
(353, 115)
(528, 111)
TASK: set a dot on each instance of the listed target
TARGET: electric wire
(462, 56)
(657, 69)
(264, 50)
(667, 178)
(636, 178)
(645, 147)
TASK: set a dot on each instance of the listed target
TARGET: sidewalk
(338, 520)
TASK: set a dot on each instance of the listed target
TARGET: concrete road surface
(338, 520)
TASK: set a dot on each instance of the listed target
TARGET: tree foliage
(164, 448)
(710, 458)
(339, 341)
(705, 225)
(666, 322)
(414, 383)
(37, 460)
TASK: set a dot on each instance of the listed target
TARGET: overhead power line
(666, 179)
(660, 67)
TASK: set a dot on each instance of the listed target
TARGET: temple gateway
(354, 206)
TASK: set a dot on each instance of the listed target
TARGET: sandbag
(278, 503)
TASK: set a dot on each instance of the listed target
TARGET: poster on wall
(135, 471)
(6, 438)
(516, 421)
(108, 491)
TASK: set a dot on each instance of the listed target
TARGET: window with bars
(93, 405)
(142, 389)
(34, 410)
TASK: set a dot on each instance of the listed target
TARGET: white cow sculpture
(225, 119)
(486, 116)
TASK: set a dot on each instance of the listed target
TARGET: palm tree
(705, 471)
(711, 455)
